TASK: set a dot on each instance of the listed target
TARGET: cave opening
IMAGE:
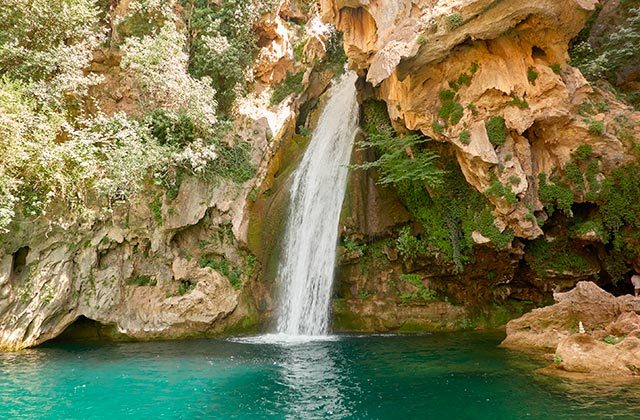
(86, 329)
(19, 261)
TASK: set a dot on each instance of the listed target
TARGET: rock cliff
(171, 260)
(493, 85)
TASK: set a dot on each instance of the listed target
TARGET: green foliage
(613, 51)
(558, 256)
(532, 75)
(170, 129)
(223, 43)
(421, 40)
(437, 127)
(520, 103)
(596, 127)
(399, 158)
(499, 190)
(557, 359)
(450, 110)
(464, 79)
(48, 44)
(291, 84)
(185, 287)
(156, 211)
(142, 280)
(396, 165)
(555, 68)
(449, 213)
(612, 339)
(465, 137)
(582, 152)
(422, 293)
(454, 21)
(496, 130)
(555, 196)
(618, 201)
(408, 245)
(224, 267)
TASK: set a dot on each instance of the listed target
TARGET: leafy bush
(465, 137)
(496, 130)
(49, 44)
(454, 21)
(159, 64)
(555, 196)
(291, 84)
(532, 75)
(223, 43)
(395, 165)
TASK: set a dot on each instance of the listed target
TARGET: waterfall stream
(307, 264)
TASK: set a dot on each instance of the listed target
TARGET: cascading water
(307, 264)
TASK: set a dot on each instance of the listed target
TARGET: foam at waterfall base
(284, 339)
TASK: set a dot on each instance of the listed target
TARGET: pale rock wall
(409, 50)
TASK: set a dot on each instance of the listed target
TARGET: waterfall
(307, 264)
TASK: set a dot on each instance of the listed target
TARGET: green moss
(421, 40)
(496, 130)
(473, 109)
(555, 68)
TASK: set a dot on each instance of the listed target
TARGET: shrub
(223, 44)
(49, 43)
(596, 127)
(555, 68)
(465, 137)
(532, 75)
(395, 165)
(555, 196)
(291, 84)
(159, 64)
(496, 130)
(520, 103)
(454, 21)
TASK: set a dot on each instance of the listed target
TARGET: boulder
(582, 353)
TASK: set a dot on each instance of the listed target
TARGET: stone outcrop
(505, 59)
(610, 340)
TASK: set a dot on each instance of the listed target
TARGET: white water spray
(306, 268)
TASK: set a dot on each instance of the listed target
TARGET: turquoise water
(433, 376)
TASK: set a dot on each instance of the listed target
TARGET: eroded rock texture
(590, 330)
(447, 68)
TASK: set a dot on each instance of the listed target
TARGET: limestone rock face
(498, 59)
(610, 342)
(584, 354)
(130, 271)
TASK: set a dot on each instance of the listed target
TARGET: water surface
(461, 375)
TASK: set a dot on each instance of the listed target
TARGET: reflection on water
(314, 382)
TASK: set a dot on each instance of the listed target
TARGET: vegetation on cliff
(188, 61)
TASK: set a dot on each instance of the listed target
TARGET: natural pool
(461, 375)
